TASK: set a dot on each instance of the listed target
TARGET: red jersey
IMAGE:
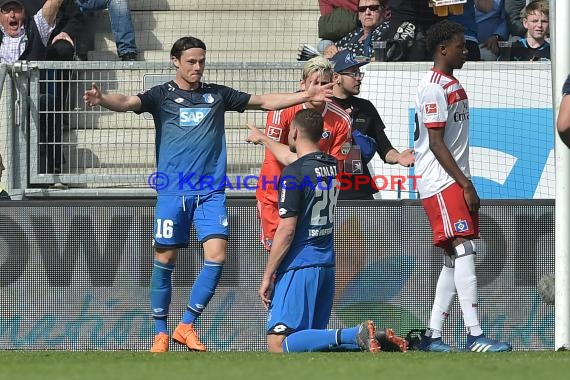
(336, 133)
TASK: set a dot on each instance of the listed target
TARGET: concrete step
(231, 21)
(224, 56)
(125, 149)
(245, 41)
(226, 5)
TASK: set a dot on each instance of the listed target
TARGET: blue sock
(160, 293)
(322, 340)
(203, 290)
(311, 340)
(348, 340)
(348, 336)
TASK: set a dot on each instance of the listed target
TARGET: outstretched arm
(280, 151)
(114, 102)
(50, 9)
(315, 93)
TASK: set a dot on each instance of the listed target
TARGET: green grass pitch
(122, 365)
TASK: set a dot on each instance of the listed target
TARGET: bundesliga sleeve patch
(274, 133)
(431, 109)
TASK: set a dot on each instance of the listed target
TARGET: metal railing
(62, 140)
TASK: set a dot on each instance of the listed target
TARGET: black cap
(4, 2)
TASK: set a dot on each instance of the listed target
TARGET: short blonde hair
(317, 64)
(541, 6)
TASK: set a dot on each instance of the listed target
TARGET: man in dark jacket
(68, 22)
(26, 38)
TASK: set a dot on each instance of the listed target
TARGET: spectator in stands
(535, 47)
(121, 24)
(328, 6)
(467, 19)
(409, 21)
(563, 122)
(338, 18)
(491, 28)
(62, 41)
(26, 38)
(371, 15)
(367, 127)
(55, 83)
(3, 194)
(513, 9)
(191, 147)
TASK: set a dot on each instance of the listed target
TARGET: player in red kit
(335, 141)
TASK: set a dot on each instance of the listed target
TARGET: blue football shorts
(302, 299)
(174, 214)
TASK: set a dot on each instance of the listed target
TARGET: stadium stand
(239, 36)
(246, 30)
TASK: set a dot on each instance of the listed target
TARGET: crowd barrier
(512, 152)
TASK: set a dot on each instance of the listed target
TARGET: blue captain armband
(366, 143)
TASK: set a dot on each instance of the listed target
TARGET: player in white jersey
(448, 195)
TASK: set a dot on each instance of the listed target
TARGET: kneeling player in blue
(190, 181)
(301, 261)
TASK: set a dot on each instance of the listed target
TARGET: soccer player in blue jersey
(191, 152)
(302, 259)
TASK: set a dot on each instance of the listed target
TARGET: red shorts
(449, 216)
(269, 220)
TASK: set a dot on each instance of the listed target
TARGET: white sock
(466, 284)
(444, 295)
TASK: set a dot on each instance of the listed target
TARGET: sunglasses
(355, 74)
(373, 8)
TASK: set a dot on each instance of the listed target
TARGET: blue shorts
(302, 300)
(174, 215)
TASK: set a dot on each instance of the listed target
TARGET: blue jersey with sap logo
(190, 136)
(308, 190)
